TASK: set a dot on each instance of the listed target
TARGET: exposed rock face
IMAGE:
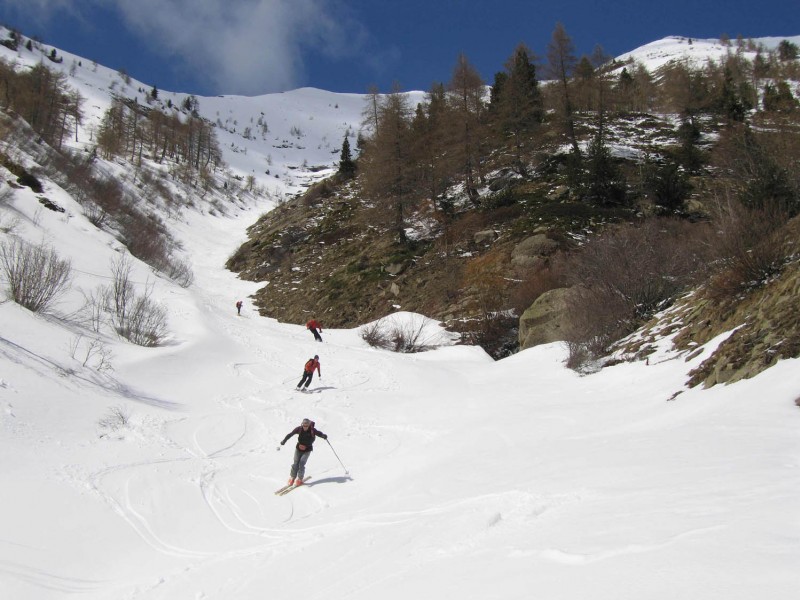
(764, 327)
(769, 332)
(545, 321)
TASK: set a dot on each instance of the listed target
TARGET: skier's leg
(298, 457)
(310, 377)
(301, 471)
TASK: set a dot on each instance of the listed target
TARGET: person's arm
(320, 434)
(290, 434)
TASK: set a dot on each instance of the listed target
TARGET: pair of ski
(288, 488)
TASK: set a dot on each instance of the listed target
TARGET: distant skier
(315, 327)
(239, 307)
(308, 372)
(305, 441)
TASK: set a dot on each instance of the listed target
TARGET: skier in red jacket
(315, 327)
(308, 372)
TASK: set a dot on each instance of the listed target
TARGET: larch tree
(431, 145)
(387, 168)
(561, 62)
(465, 92)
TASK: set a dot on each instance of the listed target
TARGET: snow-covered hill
(285, 140)
(697, 51)
(148, 473)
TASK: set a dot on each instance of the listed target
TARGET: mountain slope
(147, 473)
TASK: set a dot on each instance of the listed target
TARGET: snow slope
(696, 51)
(455, 475)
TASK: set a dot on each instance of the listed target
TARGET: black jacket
(305, 438)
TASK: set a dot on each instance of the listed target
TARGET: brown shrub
(752, 246)
(625, 275)
(646, 264)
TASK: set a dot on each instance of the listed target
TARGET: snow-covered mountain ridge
(148, 473)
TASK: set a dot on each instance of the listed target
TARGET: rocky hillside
(477, 259)
(330, 253)
(762, 326)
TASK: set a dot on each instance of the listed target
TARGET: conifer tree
(604, 183)
(779, 98)
(347, 168)
(517, 102)
(787, 50)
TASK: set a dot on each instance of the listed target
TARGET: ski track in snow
(50, 581)
(573, 558)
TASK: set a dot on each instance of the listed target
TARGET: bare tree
(561, 64)
(135, 317)
(371, 110)
(35, 274)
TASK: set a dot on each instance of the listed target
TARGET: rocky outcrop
(546, 320)
(764, 327)
(768, 330)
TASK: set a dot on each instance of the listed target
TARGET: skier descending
(305, 442)
(315, 327)
(308, 372)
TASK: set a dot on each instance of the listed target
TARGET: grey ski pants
(299, 464)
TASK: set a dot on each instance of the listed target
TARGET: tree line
(132, 130)
(413, 154)
(43, 98)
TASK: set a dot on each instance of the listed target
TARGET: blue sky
(256, 46)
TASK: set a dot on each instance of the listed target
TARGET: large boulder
(531, 250)
(546, 320)
(485, 237)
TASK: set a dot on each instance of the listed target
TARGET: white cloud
(238, 46)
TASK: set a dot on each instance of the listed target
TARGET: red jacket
(312, 364)
(313, 323)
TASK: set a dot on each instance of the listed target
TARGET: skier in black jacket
(305, 442)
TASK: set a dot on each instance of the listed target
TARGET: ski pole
(346, 472)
